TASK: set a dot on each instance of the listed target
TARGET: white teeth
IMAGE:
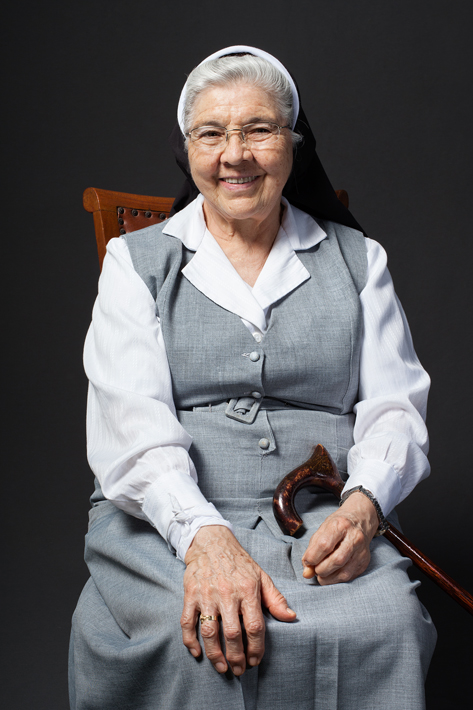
(240, 181)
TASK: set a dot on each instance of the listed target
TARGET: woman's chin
(241, 205)
(241, 208)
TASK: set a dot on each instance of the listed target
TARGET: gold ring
(207, 617)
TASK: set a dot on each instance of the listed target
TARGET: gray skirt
(364, 645)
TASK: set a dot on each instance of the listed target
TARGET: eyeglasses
(254, 135)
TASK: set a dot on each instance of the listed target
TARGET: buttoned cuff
(186, 524)
(175, 506)
(381, 479)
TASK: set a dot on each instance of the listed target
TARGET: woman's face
(268, 168)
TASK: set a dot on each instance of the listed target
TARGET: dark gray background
(91, 91)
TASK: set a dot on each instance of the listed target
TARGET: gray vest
(306, 367)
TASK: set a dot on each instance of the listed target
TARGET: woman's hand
(339, 551)
(222, 579)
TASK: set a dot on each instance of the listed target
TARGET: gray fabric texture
(366, 644)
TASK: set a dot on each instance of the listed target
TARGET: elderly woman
(225, 343)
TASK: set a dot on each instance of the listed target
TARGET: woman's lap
(363, 644)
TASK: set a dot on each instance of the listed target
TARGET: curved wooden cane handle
(321, 471)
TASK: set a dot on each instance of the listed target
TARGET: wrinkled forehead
(237, 104)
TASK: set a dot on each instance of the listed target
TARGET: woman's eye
(259, 131)
(211, 133)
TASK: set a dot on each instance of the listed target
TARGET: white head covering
(236, 49)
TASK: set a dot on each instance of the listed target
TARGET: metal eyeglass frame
(233, 130)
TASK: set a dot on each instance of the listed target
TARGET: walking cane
(321, 471)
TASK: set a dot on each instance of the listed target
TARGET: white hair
(246, 69)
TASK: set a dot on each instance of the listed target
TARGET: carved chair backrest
(117, 213)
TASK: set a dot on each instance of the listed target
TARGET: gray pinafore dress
(255, 411)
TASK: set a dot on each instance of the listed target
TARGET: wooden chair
(117, 213)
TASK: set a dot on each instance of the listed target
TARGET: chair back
(117, 213)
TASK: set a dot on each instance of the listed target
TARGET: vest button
(256, 395)
(264, 443)
(254, 356)
(258, 337)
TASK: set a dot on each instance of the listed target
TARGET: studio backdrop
(91, 93)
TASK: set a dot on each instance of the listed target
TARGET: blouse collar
(213, 274)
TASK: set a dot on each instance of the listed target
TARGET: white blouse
(137, 448)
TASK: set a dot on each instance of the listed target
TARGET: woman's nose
(235, 149)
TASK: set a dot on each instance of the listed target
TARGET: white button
(258, 337)
(256, 395)
(254, 356)
(264, 443)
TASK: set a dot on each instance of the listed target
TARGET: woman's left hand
(339, 550)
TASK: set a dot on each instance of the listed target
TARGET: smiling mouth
(240, 181)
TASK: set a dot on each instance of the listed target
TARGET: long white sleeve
(136, 446)
(391, 442)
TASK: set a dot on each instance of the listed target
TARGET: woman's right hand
(222, 579)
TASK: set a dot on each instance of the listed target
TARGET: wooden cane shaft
(444, 581)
